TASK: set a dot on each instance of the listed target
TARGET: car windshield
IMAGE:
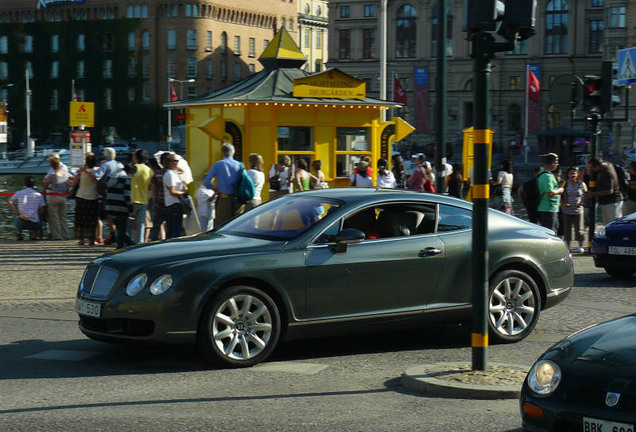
(281, 219)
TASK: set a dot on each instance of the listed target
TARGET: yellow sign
(82, 113)
(3, 112)
(330, 84)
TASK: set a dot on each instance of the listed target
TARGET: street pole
(169, 136)
(595, 120)
(440, 95)
(383, 55)
(30, 145)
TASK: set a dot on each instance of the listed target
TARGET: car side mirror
(346, 237)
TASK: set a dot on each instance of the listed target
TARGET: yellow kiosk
(283, 110)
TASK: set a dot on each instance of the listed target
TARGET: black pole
(440, 92)
(595, 122)
(482, 53)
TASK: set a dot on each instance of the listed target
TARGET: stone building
(312, 33)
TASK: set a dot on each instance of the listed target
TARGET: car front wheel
(240, 327)
(514, 305)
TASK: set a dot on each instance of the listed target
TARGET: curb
(422, 379)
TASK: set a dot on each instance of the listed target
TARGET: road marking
(293, 367)
(63, 355)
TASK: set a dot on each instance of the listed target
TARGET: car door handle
(429, 252)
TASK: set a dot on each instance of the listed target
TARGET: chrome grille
(98, 281)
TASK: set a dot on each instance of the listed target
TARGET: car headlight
(161, 284)
(601, 233)
(544, 377)
(136, 284)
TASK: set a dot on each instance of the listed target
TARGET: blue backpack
(245, 190)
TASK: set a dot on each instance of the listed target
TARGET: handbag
(186, 202)
(274, 181)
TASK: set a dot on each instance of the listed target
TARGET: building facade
(572, 37)
(125, 56)
(313, 24)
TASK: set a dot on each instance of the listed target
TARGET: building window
(171, 11)
(55, 43)
(296, 139)
(514, 117)
(618, 17)
(345, 43)
(192, 91)
(145, 41)
(131, 41)
(596, 36)
(192, 67)
(131, 67)
(81, 42)
(4, 70)
(80, 94)
(237, 71)
(29, 68)
(108, 99)
(237, 45)
(209, 68)
(405, 31)
(4, 44)
(131, 94)
(145, 94)
(318, 11)
(556, 27)
(369, 11)
(107, 68)
(449, 31)
(223, 42)
(28, 44)
(554, 117)
(306, 36)
(351, 145)
(283, 23)
(107, 42)
(55, 69)
(223, 70)
(597, 3)
(172, 39)
(368, 43)
(307, 8)
(521, 48)
(191, 44)
(208, 41)
(345, 11)
(318, 39)
(252, 47)
(54, 100)
(265, 43)
(145, 68)
(251, 68)
(144, 11)
(172, 67)
(515, 83)
(291, 25)
(81, 69)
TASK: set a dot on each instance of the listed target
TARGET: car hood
(192, 247)
(608, 345)
(623, 226)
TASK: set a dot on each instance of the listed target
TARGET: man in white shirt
(27, 205)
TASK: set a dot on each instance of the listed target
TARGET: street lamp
(170, 81)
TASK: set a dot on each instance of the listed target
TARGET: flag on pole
(399, 94)
(533, 86)
(173, 94)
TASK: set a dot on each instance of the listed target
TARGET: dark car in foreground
(614, 247)
(586, 382)
(322, 262)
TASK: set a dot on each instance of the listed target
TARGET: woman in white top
(505, 179)
(361, 178)
(258, 178)
(385, 177)
(279, 177)
(174, 188)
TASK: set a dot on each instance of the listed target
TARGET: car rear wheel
(240, 327)
(514, 305)
(620, 272)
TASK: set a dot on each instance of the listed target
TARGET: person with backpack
(529, 194)
(572, 208)
(227, 173)
(550, 193)
(607, 190)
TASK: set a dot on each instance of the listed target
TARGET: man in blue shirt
(227, 173)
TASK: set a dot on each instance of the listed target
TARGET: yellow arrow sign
(402, 129)
(82, 113)
(214, 126)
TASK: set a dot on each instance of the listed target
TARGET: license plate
(622, 250)
(595, 425)
(84, 307)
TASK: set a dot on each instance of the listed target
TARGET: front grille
(98, 281)
(120, 327)
(596, 398)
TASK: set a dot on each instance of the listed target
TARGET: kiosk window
(295, 138)
(351, 145)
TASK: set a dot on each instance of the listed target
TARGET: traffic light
(610, 93)
(512, 19)
(482, 15)
(592, 93)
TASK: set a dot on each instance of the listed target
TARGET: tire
(514, 305)
(240, 327)
(620, 272)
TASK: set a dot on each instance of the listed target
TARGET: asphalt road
(54, 379)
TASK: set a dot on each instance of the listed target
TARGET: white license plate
(595, 425)
(622, 250)
(84, 307)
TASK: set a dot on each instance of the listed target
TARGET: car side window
(454, 218)
(406, 220)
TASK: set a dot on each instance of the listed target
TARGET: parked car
(614, 247)
(585, 382)
(320, 262)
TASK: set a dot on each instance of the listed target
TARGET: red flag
(533, 87)
(74, 95)
(399, 94)
(173, 94)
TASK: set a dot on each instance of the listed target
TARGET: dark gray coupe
(331, 260)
